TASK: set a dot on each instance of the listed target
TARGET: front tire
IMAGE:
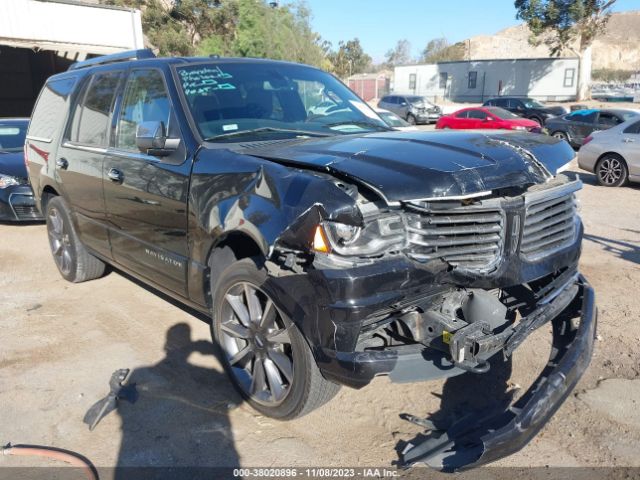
(611, 171)
(266, 357)
(74, 262)
(411, 119)
(560, 136)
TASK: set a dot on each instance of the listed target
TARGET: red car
(487, 118)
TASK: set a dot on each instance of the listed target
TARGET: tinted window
(47, 117)
(608, 119)
(477, 114)
(473, 77)
(386, 99)
(12, 136)
(501, 102)
(145, 100)
(489, 103)
(502, 113)
(464, 114)
(90, 123)
(633, 128)
(584, 116)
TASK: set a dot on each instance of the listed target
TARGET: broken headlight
(377, 236)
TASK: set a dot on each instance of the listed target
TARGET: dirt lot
(60, 342)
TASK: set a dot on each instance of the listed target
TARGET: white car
(394, 121)
(613, 154)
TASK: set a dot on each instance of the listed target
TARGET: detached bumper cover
(478, 440)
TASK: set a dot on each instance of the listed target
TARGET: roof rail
(113, 58)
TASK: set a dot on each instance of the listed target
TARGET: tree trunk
(584, 74)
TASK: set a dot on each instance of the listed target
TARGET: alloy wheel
(257, 345)
(59, 240)
(610, 170)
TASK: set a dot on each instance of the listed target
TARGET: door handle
(115, 175)
(62, 163)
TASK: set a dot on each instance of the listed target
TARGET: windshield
(235, 102)
(392, 119)
(416, 100)
(531, 103)
(12, 135)
(502, 113)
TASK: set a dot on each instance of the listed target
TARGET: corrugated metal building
(369, 86)
(41, 37)
(550, 79)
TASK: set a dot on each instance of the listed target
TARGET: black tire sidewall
(625, 171)
(63, 210)
(246, 270)
(412, 119)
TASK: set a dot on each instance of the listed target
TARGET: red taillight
(587, 140)
(26, 158)
(44, 154)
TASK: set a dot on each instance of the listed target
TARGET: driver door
(145, 195)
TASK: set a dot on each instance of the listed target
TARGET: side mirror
(403, 104)
(488, 119)
(151, 138)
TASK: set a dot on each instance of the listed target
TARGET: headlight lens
(8, 181)
(376, 237)
(519, 128)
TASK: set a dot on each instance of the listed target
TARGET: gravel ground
(60, 342)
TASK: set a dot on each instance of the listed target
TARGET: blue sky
(379, 24)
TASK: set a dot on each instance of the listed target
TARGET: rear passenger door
(78, 161)
(145, 195)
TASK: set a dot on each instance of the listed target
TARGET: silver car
(613, 154)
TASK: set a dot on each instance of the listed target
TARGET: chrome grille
(464, 237)
(550, 224)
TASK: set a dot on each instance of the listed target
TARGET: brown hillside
(618, 48)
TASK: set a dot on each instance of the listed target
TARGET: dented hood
(415, 165)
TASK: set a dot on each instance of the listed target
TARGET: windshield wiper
(261, 130)
(360, 123)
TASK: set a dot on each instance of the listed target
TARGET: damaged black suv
(327, 249)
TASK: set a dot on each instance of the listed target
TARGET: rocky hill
(618, 48)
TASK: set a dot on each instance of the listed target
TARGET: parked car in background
(527, 107)
(613, 154)
(16, 198)
(394, 121)
(326, 249)
(414, 109)
(487, 118)
(576, 126)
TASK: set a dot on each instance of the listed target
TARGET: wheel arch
(47, 193)
(232, 246)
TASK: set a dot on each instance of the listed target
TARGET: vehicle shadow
(177, 426)
(465, 400)
(623, 250)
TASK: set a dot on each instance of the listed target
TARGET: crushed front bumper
(495, 434)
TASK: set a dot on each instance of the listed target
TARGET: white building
(41, 37)
(551, 79)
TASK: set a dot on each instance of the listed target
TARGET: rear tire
(277, 375)
(611, 171)
(74, 262)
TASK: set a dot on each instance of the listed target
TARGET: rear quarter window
(48, 116)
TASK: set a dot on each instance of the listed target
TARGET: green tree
(349, 59)
(440, 50)
(569, 25)
(400, 55)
